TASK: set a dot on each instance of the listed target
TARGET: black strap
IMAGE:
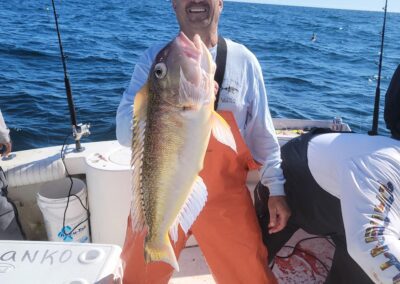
(221, 62)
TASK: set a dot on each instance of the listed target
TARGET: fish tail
(156, 251)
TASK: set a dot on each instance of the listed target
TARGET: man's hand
(279, 213)
(8, 149)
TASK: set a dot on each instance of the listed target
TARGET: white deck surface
(193, 268)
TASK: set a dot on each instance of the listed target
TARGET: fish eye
(160, 70)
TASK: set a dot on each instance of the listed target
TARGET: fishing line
(63, 149)
(295, 248)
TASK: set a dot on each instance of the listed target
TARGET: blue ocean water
(335, 75)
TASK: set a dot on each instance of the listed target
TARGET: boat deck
(308, 264)
(193, 268)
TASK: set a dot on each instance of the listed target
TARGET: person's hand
(7, 146)
(279, 213)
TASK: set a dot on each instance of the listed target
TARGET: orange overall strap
(227, 229)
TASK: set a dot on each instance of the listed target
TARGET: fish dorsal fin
(222, 131)
(138, 129)
(191, 209)
(140, 103)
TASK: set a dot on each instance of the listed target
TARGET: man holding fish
(190, 162)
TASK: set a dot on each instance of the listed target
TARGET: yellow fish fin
(222, 131)
(140, 103)
(138, 129)
(137, 208)
(191, 208)
(160, 251)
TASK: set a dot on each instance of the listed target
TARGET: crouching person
(345, 186)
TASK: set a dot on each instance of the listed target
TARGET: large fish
(173, 119)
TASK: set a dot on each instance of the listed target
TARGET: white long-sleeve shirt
(364, 173)
(4, 131)
(242, 92)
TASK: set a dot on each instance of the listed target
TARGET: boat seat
(392, 105)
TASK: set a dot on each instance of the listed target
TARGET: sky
(369, 5)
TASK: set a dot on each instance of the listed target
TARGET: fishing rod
(78, 130)
(374, 130)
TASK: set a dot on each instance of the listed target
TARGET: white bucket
(52, 201)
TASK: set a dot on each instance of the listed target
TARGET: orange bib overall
(226, 230)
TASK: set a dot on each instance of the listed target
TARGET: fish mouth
(196, 51)
(191, 49)
(196, 70)
(193, 52)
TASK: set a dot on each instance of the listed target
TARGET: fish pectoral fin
(222, 131)
(191, 208)
(162, 251)
(140, 103)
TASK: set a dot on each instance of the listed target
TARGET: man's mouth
(197, 10)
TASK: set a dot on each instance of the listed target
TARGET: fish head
(183, 73)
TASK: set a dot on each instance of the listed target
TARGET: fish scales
(162, 144)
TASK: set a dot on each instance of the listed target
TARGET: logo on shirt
(230, 92)
(376, 232)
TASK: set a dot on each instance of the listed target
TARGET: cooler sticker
(65, 235)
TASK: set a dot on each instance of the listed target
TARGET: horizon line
(309, 6)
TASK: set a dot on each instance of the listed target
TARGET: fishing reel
(79, 131)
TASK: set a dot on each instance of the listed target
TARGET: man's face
(197, 14)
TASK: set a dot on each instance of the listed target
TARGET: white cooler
(59, 263)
